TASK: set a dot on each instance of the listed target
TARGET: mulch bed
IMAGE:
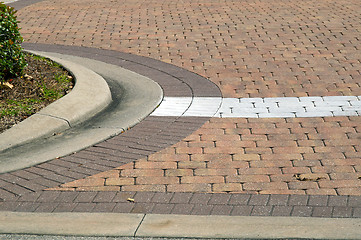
(41, 83)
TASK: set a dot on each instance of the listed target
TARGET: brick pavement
(277, 167)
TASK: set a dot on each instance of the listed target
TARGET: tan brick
(302, 185)
(168, 157)
(155, 165)
(98, 188)
(189, 150)
(202, 179)
(283, 156)
(247, 178)
(257, 150)
(156, 180)
(144, 188)
(259, 186)
(119, 181)
(178, 172)
(227, 187)
(282, 150)
(296, 170)
(227, 164)
(340, 184)
(126, 166)
(224, 150)
(270, 164)
(193, 187)
(191, 165)
(321, 191)
(257, 171)
(141, 172)
(215, 172)
(282, 191)
(211, 157)
(246, 157)
(333, 169)
(86, 182)
(349, 191)
(235, 144)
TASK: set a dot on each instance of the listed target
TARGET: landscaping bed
(41, 83)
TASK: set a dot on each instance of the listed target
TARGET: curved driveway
(249, 49)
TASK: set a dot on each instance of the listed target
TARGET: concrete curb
(177, 226)
(96, 119)
(90, 95)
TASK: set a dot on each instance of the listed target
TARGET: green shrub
(12, 61)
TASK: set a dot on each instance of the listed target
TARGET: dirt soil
(42, 83)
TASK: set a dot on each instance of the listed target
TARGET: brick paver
(235, 166)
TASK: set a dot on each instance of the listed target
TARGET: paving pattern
(240, 165)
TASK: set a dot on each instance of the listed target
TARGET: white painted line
(287, 107)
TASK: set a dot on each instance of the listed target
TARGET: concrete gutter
(89, 96)
(178, 226)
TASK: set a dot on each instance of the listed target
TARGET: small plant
(12, 61)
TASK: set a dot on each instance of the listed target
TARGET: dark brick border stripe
(188, 203)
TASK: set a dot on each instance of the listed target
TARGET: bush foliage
(12, 61)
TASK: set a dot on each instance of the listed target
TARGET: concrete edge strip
(177, 226)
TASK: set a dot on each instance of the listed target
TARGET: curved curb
(132, 98)
(89, 96)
